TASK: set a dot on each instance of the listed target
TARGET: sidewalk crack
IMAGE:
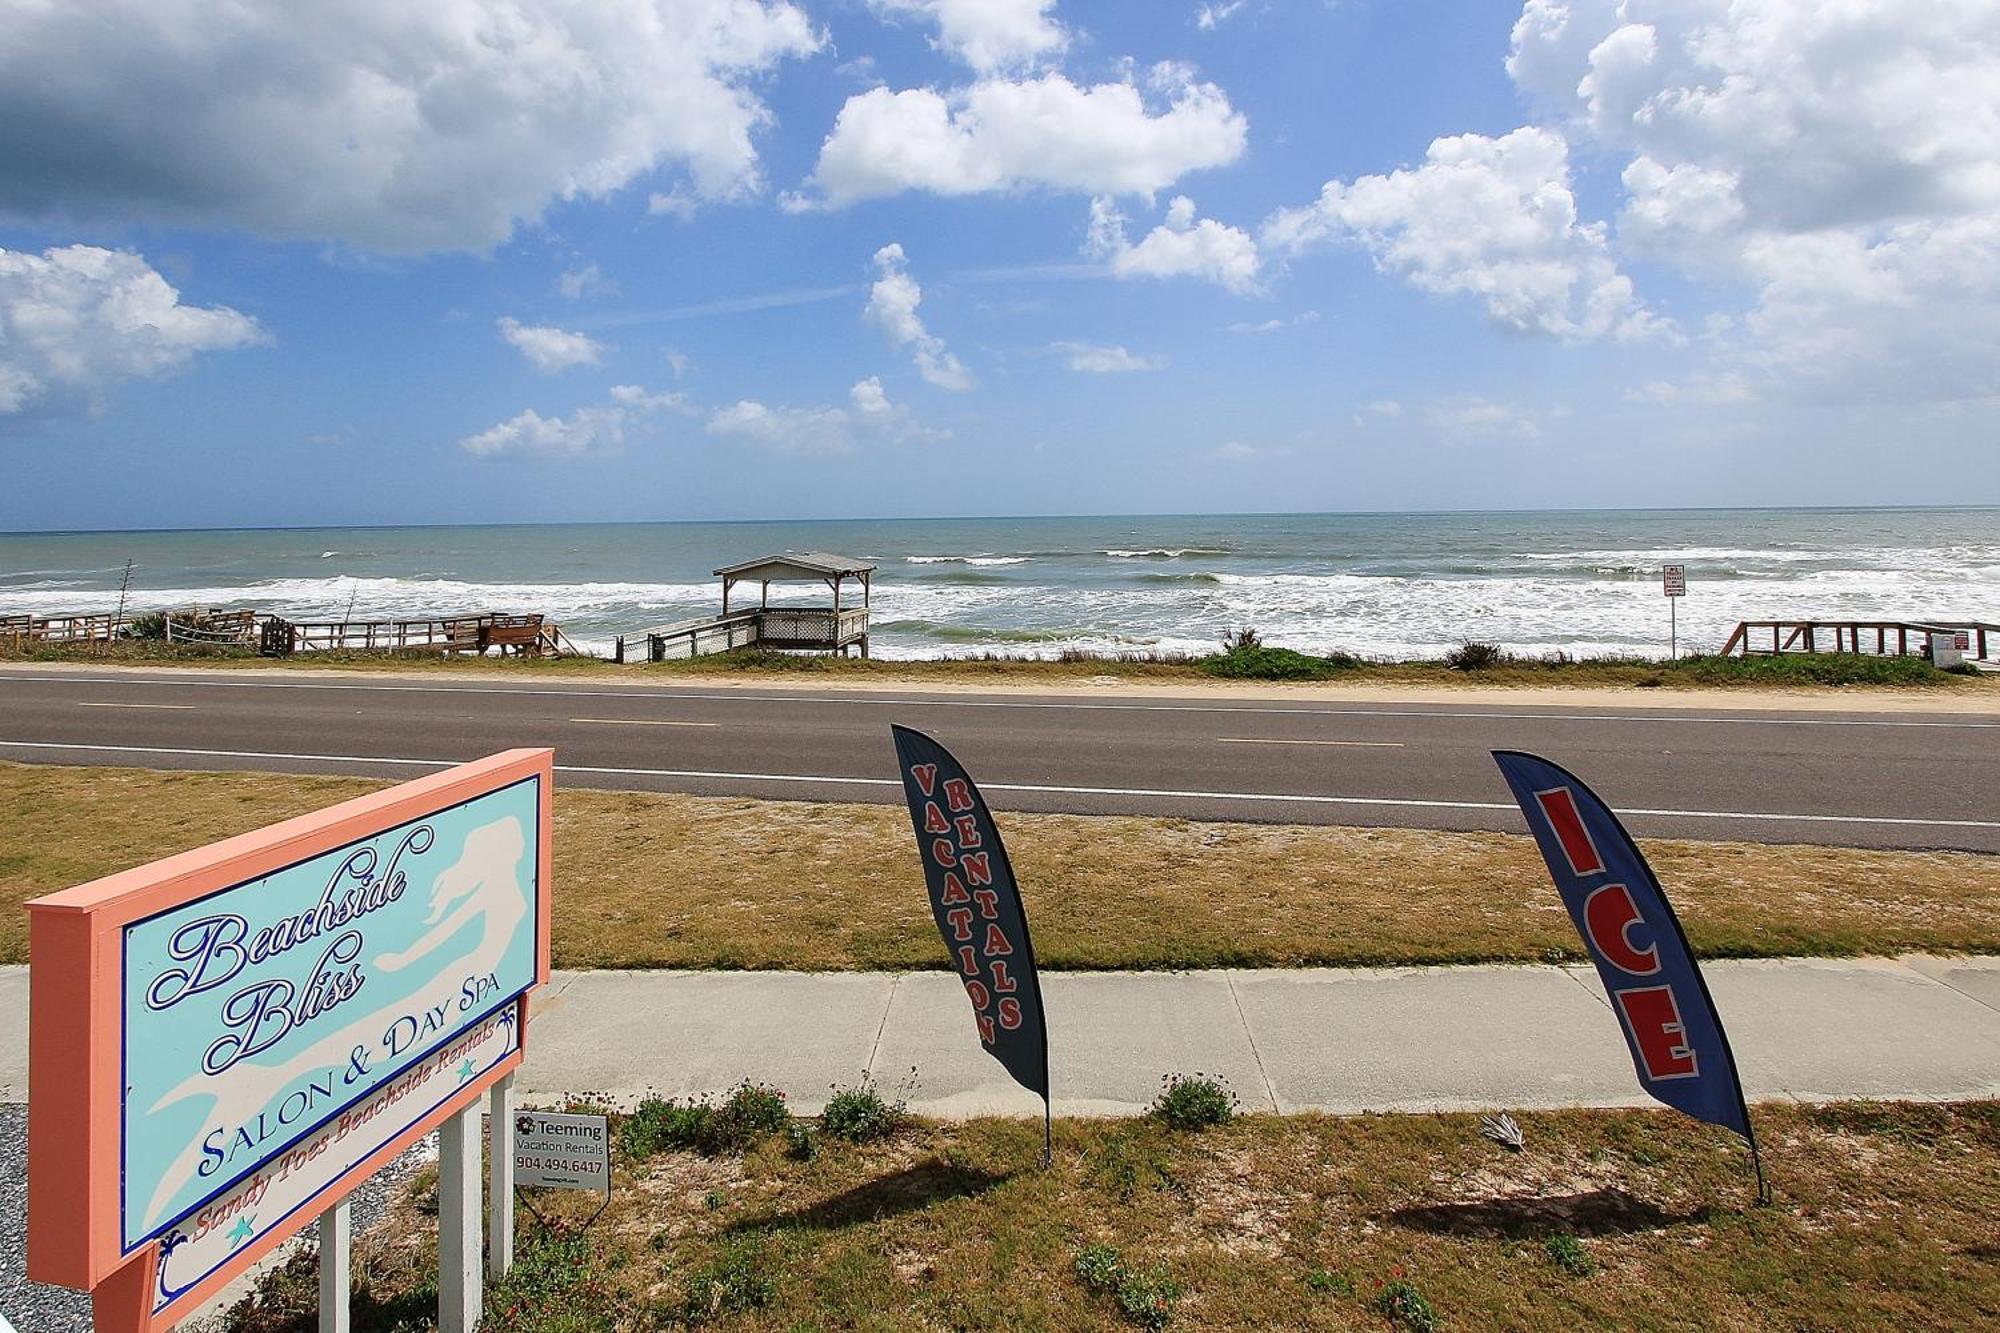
(1270, 1092)
(883, 1026)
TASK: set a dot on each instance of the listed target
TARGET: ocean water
(1388, 585)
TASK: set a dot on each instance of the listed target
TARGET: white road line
(1163, 793)
(920, 700)
(1279, 740)
(86, 703)
(641, 722)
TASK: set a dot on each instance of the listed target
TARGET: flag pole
(1048, 1133)
(1756, 1162)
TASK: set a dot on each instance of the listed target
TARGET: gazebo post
(764, 602)
(726, 581)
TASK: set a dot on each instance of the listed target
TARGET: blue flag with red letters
(1678, 1047)
(977, 907)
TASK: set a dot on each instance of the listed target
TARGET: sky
(362, 261)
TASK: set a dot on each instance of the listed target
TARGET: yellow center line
(86, 704)
(641, 722)
(1272, 740)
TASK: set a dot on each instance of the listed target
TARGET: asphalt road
(1873, 780)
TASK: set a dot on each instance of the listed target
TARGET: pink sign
(225, 1043)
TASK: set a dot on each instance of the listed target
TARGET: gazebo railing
(778, 627)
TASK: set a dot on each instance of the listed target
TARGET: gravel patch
(29, 1306)
(35, 1308)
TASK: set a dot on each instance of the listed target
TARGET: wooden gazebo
(825, 629)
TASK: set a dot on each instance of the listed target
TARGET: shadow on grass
(909, 1190)
(1601, 1212)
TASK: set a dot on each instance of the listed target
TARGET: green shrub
(1145, 1299)
(556, 1286)
(151, 625)
(1261, 663)
(801, 1144)
(1242, 640)
(1329, 1283)
(1473, 655)
(736, 1282)
(1193, 1101)
(1404, 1306)
(1567, 1253)
(659, 1125)
(860, 1115)
(751, 1113)
(1807, 669)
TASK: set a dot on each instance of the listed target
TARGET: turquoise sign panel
(261, 1013)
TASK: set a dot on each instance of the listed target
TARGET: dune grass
(646, 880)
(1259, 663)
(1883, 1219)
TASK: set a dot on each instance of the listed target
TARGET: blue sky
(744, 258)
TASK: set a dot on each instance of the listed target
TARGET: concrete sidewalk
(1340, 1041)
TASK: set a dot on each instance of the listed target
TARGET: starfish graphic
(245, 1227)
(466, 1071)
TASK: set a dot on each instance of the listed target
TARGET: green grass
(829, 887)
(1883, 1219)
(1244, 663)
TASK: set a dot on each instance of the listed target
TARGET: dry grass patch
(1883, 1219)
(645, 880)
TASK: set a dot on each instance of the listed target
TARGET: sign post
(1673, 582)
(223, 1045)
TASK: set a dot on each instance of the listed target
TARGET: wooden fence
(1879, 638)
(783, 627)
(516, 635)
(58, 629)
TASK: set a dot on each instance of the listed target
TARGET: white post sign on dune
(1674, 583)
(226, 1043)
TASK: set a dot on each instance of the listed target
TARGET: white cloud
(584, 280)
(1181, 246)
(400, 127)
(791, 430)
(1272, 325)
(679, 202)
(550, 349)
(588, 430)
(892, 303)
(1210, 15)
(77, 319)
(1490, 218)
(1090, 359)
(1481, 418)
(1839, 162)
(822, 430)
(1040, 133)
(989, 34)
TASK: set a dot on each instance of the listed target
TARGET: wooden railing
(1878, 638)
(58, 629)
(524, 636)
(212, 627)
(796, 627)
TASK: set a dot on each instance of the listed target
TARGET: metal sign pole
(336, 1232)
(1673, 628)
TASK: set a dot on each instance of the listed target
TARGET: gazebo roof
(799, 565)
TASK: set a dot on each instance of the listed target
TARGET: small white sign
(562, 1152)
(1674, 580)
